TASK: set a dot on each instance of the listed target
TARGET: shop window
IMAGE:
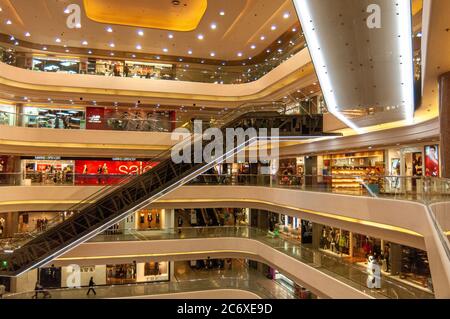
(7, 115)
(56, 65)
(53, 118)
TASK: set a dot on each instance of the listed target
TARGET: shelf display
(351, 169)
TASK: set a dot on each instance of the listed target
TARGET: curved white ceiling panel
(362, 52)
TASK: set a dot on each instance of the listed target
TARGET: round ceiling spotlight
(176, 2)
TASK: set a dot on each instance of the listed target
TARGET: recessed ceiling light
(67, 50)
(213, 26)
(212, 54)
(112, 45)
(84, 42)
(222, 13)
(8, 22)
(165, 50)
(44, 48)
(58, 40)
(89, 52)
(158, 57)
(253, 47)
(140, 33)
(109, 29)
(263, 38)
(190, 52)
(112, 53)
(273, 27)
(200, 37)
(170, 36)
(12, 38)
(286, 15)
(239, 54)
(133, 56)
(294, 30)
(138, 47)
(67, 11)
(27, 34)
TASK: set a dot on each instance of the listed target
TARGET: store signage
(124, 159)
(95, 119)
(95, 116)
(47, 158)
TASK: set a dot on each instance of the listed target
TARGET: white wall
(99, 274)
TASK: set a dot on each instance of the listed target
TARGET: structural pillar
(444, 117)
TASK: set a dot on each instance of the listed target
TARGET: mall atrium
(241, 149)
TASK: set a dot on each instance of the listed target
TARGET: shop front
(120, 274)
(148, 70)
(31, 221)
(47, 170)
(406, 264)
(56, 118)
(348, 170)
(109, 171)
(139, 120)
(407, 165)
(149, 219)
(56, 64)
(3, 224)
(7, 114)
(291, 171)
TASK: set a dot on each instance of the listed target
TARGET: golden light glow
(83, 145)
(147, 14)
(206, 252)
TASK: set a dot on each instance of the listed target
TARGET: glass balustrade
(255, 283)
(223, 73)
(339, 268)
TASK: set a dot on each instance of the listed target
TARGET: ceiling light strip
(404, 26)
(304, 13)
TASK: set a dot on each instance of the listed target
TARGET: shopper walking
(91, 287)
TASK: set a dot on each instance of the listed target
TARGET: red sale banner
(107, 171)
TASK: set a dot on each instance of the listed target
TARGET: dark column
(396, 258)
(444, 116)
(317, 233)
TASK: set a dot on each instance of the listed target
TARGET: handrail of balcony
(181, 71)
(339, 268)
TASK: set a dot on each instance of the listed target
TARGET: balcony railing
(156, 69)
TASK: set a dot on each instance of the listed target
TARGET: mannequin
(157, 218)
(150, 219)
(374, 274)
(142, 218)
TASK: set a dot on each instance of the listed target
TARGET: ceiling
(245, 29)
(435, 51)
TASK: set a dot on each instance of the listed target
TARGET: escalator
(110, 205)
